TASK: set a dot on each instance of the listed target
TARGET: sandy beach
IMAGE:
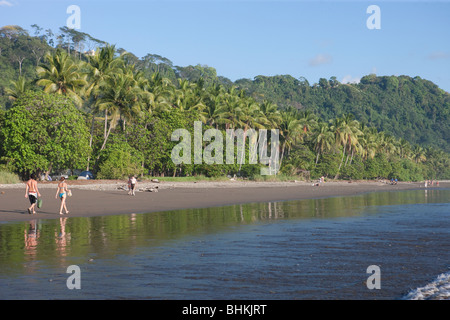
(208, 254)
(100, 197)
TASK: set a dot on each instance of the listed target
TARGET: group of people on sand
(319, 182)
(429, 183)
(33, 194)
(62, 192)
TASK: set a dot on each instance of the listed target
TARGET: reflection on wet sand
(31, 237)
(292, 249)
(62, 238)
(105, 236)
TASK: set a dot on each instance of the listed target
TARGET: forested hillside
(410, 108)
(126, 107)
(407, 107)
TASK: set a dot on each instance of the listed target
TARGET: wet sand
(95, 198)
(319, 259)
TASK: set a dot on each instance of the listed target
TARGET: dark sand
(323, 260)
(88, 200)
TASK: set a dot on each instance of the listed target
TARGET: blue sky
(243, 39)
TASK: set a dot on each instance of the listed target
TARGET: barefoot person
(61, 192)
(32, 192)
(132, 185)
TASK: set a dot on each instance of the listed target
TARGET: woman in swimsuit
(32, 192)
(61, 191)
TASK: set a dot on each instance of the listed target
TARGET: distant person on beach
(62, 192)
(32, 193)
(132, 185)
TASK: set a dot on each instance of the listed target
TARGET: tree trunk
(104, 141)
(342, 160)
(106, 123)
(243, 153)
(282, 153)
(90, 141)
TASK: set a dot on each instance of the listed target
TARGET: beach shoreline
(109, 197)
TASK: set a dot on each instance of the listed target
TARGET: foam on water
(438, 289)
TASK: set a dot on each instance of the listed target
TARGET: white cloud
(320, 59)
(349, 79)
(4, 3)
(438, 55)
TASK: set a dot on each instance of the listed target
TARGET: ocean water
(438, 289)
(306, 249)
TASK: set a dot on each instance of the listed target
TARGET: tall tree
(120, 97)
(101, 64)
(323, 139)
(61, 75)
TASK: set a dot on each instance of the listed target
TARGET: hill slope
(411, 108)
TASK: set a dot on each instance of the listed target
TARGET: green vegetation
(408, 108)
(43, 131)
(113, 113)
(7, 177)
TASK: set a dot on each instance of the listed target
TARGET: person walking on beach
(132, 185)
(32, 193)
(62, 192)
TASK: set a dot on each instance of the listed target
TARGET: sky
(244, 39)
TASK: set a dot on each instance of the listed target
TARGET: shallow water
(306, 249)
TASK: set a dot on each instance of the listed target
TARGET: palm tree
(161, 93)
(341, 132)
(387, 144)
(323, 139)
(61, 75)
(251, 115)
(419, 154)
(230, 110)
(272, 114)
(354, 145)
(404, 148)
(308, 121)
(18, 88)
(345, 130)
(215, 105)
(248, 115)
(100, 65)
(369, 142)
(290, 131)
(120, 97)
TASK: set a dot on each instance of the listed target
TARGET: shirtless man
(32, 193)
(132, 185)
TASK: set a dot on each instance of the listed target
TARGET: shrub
(119, 161)
(8, 177)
